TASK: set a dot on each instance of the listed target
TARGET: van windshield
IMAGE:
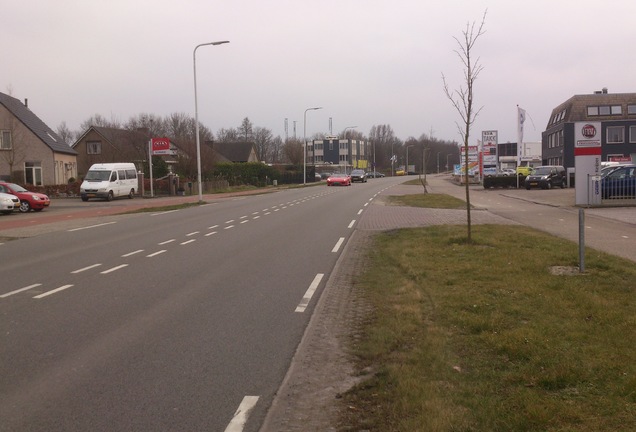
(97, 176)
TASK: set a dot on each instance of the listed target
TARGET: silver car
(8, 203)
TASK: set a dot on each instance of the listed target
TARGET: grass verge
(484, 337)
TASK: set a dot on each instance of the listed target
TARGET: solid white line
(338, 244)
(52, 291)
(210, 233)
(166, 242)
(240, 416)
(85, 268)
(352, 223)
(110, 270)
(19, 290)
(92, 226)
(186, 242)
(156, 253)
(309, 294)
(132, 253)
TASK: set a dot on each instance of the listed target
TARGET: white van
(109, 180)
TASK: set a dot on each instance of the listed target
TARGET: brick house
(30, 151)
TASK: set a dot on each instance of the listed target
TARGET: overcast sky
(366, 62)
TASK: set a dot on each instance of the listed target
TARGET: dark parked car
(28, 200)
(546, 176)
(375, 174)
(358, 175)
(619, 183)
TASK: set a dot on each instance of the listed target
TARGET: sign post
(587, 162)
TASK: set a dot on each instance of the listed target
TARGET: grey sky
(365, 61)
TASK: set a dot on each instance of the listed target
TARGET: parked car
(546, 176)
(358, 175)
(619, 183)
(523, 170)
(325, 175)
(8, 203)
(339, 179)
(375, 174)
(400, 172)
(507, 172)
(28, 200)
(317, 177)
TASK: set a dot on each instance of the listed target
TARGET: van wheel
(109, 197)
(84, 198)
(131, 194)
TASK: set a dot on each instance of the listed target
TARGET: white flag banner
(521, 118)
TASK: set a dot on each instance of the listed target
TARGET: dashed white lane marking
(132, 253)
(166, 242)
(110, 270)
(309, 293)
(192, 233)
(154, 254)
(213, 227)
(85, 268)
(240, 416)
(211, 233)
(353, 222)
(338, 244)
(187, 242)
(48, 293)
(20, 290)
(92, 226)
(360, 211)
(163, 213)
(229, 227)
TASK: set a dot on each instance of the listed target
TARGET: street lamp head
(220, 42)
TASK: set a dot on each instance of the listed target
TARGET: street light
(447, 163)
(196, 112)
(344, 134)
(438, 162)
(305, 143)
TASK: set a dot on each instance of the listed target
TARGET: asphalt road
(184, 320)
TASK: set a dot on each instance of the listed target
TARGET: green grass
(427, 200)
(483, 337)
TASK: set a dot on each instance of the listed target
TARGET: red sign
(588, 131)
(161, 146)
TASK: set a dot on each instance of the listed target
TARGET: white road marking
(244, 221)
(360, 211)
(230, 221)
(163, 213)
(338, 244)
(352, 223)
(187, 242)
(132, 253)
(85, 268)
(48, 293)
(192, 233)
(110, 270)
(210, 233)
(228, 227)
(156, 253)
(92, 226)
(213, 226)
(166, 242)
(240, 416)
(309, 293)
(20, 290)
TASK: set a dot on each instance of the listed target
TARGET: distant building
(335, 151)
(616, 114)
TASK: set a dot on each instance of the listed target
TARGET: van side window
(113, 176)
(122, 175)
(131, 174)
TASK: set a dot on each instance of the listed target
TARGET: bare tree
(14, 148)
(65, 133)
(293, 151)
(246, 130)
(263, 143)
(227, 135)
(462, 98)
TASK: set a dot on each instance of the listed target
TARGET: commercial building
(336, 151)
(616, 115)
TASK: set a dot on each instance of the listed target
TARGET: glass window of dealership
(615, 112)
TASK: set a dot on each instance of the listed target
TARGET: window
(33, 173)
(616, 109)
(93, 147)
(615, 135)
(604, 110)
(632, 134)
(5, 140)
(631, 109)
(592, 110)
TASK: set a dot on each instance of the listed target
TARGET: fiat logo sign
(588, 131)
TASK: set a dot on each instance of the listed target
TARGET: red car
(28, 200)
(339, 179)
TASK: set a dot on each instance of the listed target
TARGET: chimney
(604, 90)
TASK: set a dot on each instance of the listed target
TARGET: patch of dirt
(565, 271)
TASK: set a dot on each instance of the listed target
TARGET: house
(108, 145)
(234, 151)
(614, 114)
(30, 151)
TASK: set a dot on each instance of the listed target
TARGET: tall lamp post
(406, 170)
(447, 163)
(438, 162)
(196, 112)
(305, 143)
(344, 135)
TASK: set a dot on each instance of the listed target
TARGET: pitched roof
(35, 125)
(234, 151)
